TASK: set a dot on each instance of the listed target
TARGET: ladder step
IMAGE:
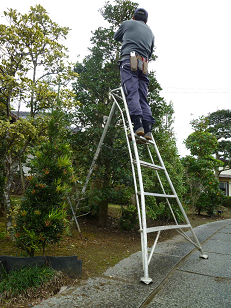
(157, 195)
(142, 139)
(149, 165)
(139, 139)
(170, 227)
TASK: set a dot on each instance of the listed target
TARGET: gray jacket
(136, 36)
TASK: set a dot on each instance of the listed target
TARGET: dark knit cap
(141, 13)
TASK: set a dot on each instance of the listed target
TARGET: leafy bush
(203, 188)
(210, 198)
(18, 281)
(128, 219)
(41, 218)
(226, 201)
(204, 192)
(153, 209)
(121, 194)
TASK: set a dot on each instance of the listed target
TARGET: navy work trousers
(135, 86)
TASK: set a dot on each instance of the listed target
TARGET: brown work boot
(147, 130)
(138, 125)
(139, 131)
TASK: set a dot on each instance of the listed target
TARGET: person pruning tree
(137, 47)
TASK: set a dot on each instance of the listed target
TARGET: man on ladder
(137, 47)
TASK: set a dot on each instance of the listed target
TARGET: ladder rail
(131, 157)
(142, 196)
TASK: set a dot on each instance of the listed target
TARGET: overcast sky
(192, 39)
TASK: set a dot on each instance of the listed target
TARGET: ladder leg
(95, 158)
(99, 147)
(198, 245)
(202, 255)
(146, 279)
(130, 154)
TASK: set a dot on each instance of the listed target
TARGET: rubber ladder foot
(203, 256)
(146, 280)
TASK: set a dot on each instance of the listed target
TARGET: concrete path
(180, 277)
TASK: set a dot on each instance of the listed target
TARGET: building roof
(20, 114)
(225, 176)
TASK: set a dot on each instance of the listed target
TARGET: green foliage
(211, 196)
(220, 123)
(203, 186)
(41, 218)
(14, 139)
(220, 126)
(196, 143)
(226, 201)
(15, 136)
(201, 142)
(31, 42)
(154, 209)
(98, 73)
(119, 12)
(33, 64)
(121, 194)
(19, 281)
(128, 219)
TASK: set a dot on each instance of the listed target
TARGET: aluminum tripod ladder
(137, 165)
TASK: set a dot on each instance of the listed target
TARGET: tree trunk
(133, 200)
(22, 175)
(1, 209)
(32, 107)
(217, 171)
(103, 210)
(8, 107)
(10, 167)
(103, 205)
(6, 195)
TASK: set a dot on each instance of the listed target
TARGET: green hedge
(227, 201)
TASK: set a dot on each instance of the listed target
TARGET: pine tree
(98, 73)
